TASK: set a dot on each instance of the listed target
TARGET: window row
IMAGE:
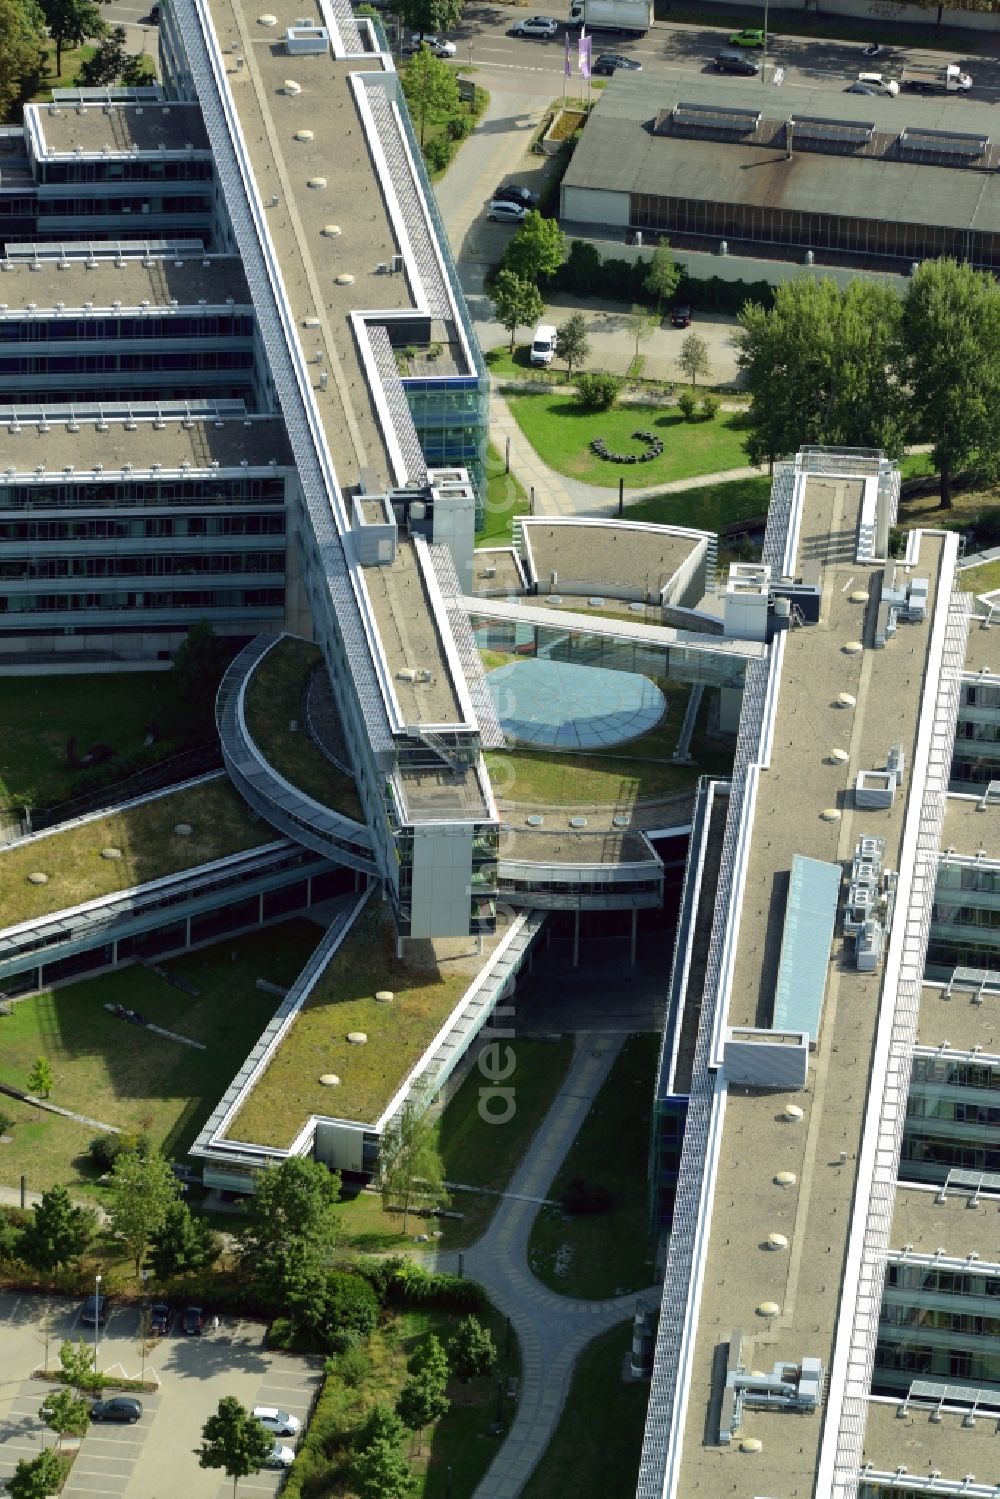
(160, 565)
(46, 330)
(196, 598)
(144, 528)
(126, 494)
(113, 362)
(186, 170)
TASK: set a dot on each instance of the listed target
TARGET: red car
(681, 316)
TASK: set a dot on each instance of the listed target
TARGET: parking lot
(155, 1458)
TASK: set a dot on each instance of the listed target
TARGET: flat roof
(506, 576)
(149, 848)
(982, 647)
(956, 1225)
(971, 827)
(426, 982)
(959, 1018)
(569, 846)
(619, 153)
(230, 443)
(925, 1446)
(411, 639)
(616, 556)
(800, 781)
(90, 129)
(186, 280)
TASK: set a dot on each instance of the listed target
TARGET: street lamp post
(97, 1319)
(763, 60)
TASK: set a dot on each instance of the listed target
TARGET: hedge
(586, 273)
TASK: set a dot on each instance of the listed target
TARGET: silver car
(505, 212)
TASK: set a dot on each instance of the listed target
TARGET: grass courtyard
(505, 498)
(426, 984)
(604, 1253)
(148, 845)
(125, 1075)
(561, 430)
(40, 715)
(982, 579)
(274, 699)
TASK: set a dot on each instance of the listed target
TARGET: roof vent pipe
(788, 140)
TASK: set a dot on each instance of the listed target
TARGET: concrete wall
(441, 893)
(594, 205)
(903, 15)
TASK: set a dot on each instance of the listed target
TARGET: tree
(291, 1231)
(380, 1471)
(382, 1425)
(41, 1078)
(431, 88)
(37, 1478)
(77, 1360)
(71, 23)
(112, 62)
(56, 1233)
(537, 249)
(693, 358)
(640, 324)
(409, 1164)
(951, 337)
(572, 345)
(430, 1358)
(822, 367)
(431, 16)
(140, 1194)
(516, 302)
(194, 679)
(598, 390)
(350, 1309)
(664, 274)
(10, 1240)
(421, 1401)
(145, 1340)
(235, 1441)
(65, 1413)
(181, 1243)
(22, 51)
(472, 1351)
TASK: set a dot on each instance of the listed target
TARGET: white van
(544, 346)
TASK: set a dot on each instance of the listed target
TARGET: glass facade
(451, 416)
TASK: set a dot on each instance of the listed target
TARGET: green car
(750, 36)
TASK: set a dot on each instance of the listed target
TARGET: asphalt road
(532, 66)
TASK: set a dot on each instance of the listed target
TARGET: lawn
(505, 498)
(596, 1446)
(122, 1074)
(73, 59)
(707, 507)
(610, 1252)
(40, 715)
(637, 771)
(149, 846)
(980, 579)
(274, 699)
(560, 430)
(455, 1451)
(426, 989)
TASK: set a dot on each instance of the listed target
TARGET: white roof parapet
(885, 1115)
(491, 735)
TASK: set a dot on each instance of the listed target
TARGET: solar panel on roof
(814, 127)
(948, 142)
(716, 116)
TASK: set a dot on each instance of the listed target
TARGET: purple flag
(567, 64)
(584, 56)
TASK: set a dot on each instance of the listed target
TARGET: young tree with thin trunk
(71, 23)
(66, 1414)
(431, 88)
(517, 302)
(380, 1471)
(572, 345)
(664, 274)
(410, 1167)
(57, 1233)
(140, 1195)
(640, 323)
(537, 249)
(693, 358)
(420, 1402)
(234, 1441)
(41, 1078)
(36, 1478)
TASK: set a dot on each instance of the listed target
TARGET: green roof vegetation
(125, 1075)
(149, 849)
(274, 698)
(982, 579)
(426, 983)
(639, 770)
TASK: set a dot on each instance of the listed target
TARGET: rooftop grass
(610, 1252)
(982, 579)
(707, 507)
(426, 987)
(40, 715)
(596, 1446)
(505, 498)
(560, 430)
(639, 770)
(274, 698)
(150, 849)
(126, 1075)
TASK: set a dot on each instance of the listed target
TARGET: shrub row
(399, 1282)
(586, 273)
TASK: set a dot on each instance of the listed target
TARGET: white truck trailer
(946, 79)
(627, 17)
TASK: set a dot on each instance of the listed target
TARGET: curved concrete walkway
(552, 1329)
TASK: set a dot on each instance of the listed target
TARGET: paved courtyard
(154, 1459)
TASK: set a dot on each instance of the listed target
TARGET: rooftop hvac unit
(418, 510)
(397, 264)
(406, 674)
(489, 572)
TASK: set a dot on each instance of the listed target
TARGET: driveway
(154, 1459)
